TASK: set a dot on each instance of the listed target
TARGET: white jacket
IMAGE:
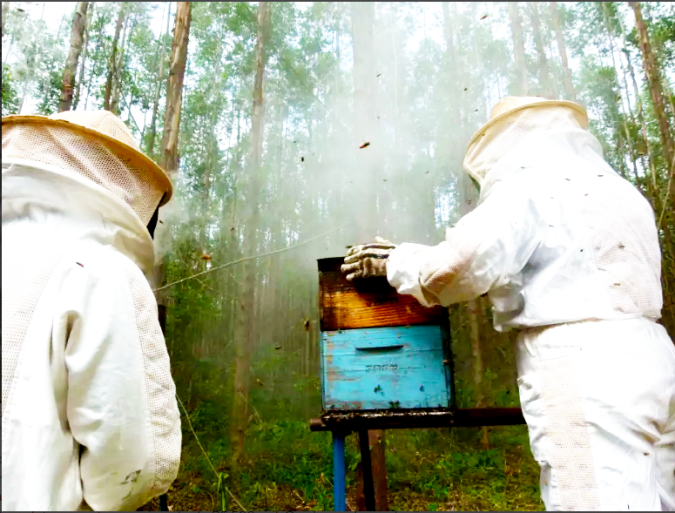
(557, 237)
(567, 249)
(89, 415)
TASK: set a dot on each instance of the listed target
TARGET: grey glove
(368, 260)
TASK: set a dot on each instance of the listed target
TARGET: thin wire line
(249, 258)
(205, 454)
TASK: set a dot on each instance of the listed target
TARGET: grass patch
(289, 468)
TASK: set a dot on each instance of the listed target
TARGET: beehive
(380, 350)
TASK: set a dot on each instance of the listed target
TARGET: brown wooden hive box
(367, 303)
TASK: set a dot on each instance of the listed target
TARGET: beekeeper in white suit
(568, 252)
(89, 415)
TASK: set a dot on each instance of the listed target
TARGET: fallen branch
(299, 496)
(248, 258)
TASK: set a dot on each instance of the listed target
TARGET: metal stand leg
(339, 489)
(367, 470)
(163, 502)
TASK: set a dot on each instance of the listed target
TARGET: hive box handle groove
(371, 349)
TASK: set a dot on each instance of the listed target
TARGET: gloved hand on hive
(368, 260)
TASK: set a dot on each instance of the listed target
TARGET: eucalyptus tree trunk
(456, 73)
(473, 309)
(646, 150)
(99, 39)
(212, 152)
(397, 96)
(475, 315)
(160, 77)
(76, 40)
(5, 11)
(232, 240)
(544, 74)
(113, 56)
(8, 52)
(117, 76)
(362, 18)
(174, 87)
(174, 94)
(629, 114)
(653, 75)
(30, 65)
(567, 74)
(80, 80)
(122, 59)
(363, 21)
(245, 338)
(276, 271)
(522, 83)
(337, 47)
(450, 48)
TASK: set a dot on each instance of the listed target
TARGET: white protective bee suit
(567, 251)
(89, 415)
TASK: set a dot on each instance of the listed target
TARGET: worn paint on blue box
(382, 368)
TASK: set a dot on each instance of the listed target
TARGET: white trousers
(599, 401)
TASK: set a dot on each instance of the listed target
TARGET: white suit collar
(546, 150)
(27, 185)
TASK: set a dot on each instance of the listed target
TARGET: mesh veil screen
(89, 157)
(497, 139)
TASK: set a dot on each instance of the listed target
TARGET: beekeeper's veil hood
(512, 120)
(94, 144)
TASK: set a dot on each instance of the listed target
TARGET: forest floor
(288, 468)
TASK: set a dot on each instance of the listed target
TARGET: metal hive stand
(341, 424)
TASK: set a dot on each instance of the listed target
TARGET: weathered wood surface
(381, 368)
(366, 303)
(432, 418)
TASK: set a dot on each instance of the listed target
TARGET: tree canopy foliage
(364, 113)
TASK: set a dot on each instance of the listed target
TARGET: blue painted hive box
(380, 350)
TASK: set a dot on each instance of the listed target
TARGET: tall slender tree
(454, 68)
(547, 89)
(174, 88)
(5, 11)
(643, 146)
(160, 78)
(562, 50)
(245, 340)
(372, 208)
(76, 40)
(85, 48)
(30, 74)
(174, 95)
(113, 56)
(117, 84)
(653, 76)
(363, 21)
(622, 94)
(522, 81)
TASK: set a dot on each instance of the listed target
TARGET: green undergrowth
(287, 467)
